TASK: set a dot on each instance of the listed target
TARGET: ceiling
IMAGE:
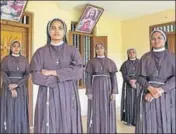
(121, 9)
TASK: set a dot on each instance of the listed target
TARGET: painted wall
(107, 26)
(135, 32)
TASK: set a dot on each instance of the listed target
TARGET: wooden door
(10, 33)
(98, 39)
(171, 42)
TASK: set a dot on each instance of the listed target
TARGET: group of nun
(148, 92)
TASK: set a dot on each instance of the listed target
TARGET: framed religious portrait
(12, 9)
(89, 19)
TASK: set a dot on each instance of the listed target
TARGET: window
(86, 44)
(83, 43)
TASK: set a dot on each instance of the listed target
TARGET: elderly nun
(130, 88)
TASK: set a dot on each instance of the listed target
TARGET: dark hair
(13, 42)
(49, 25)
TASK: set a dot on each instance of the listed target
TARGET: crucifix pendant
(156, 73)
(17, 68)
(57, 62)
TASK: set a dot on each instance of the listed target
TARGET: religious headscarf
(48, 29)
(128, 51)
(100, 44)
(160, 31)
(11, 45)
(163, 34)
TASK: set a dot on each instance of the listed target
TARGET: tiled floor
(121, 128)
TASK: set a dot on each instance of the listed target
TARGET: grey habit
(64, 104)
(101, 83)
(129, 71)
(14, 111)
(157, 116)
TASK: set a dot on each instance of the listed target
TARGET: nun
(157, 108)
(14, 95)
(130, 88)
(101, 90)
(56, 67)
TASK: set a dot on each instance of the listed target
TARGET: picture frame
(89, 19)
(12, 9)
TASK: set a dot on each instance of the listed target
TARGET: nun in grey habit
(157, 100)
(14, 116)
(56, 68)
(130, 88)
(101, 89)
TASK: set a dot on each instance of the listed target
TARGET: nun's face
(57, 31)
(16, 48)
(157, 40)
(100, 50)
(132, 54)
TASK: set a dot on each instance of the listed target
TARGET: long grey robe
(129, 95)
(157, 116)
(14, 111)
(64, 104)
(101, 111)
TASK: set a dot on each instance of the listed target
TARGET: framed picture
(89, 19)
(12, 9)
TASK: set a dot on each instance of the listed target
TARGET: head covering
(163, 34)
(11, 45)
(48, 29)
(100, 44)
(128, 51)
(160, 31)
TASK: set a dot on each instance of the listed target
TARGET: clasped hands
(133, 83)
(154, 93)
(12, 88)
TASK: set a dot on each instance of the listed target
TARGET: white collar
(159, 50)
(100, 56)
(133, 59)
(57, 44)
(15, 55)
